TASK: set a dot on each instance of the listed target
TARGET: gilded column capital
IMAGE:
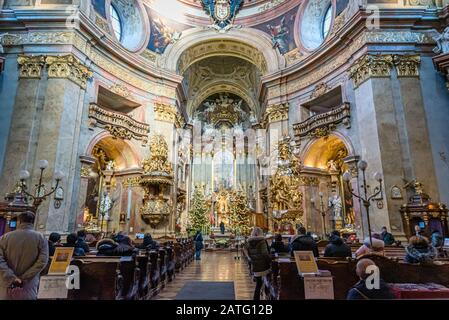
(168, 113)
(407, 65)
(68, 67)
(371, 66)
(30, 66)
(276, 113)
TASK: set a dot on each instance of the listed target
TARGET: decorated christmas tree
(198, 214)
(239, 216)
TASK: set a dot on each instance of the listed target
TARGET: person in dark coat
(387, 237)
(222, 227)
(198, 244)
(82, 241)
(259, 253)
(278, 245)
(360, 291)
(54, 240)
(148, 243)
(419, 250)
(72, 242)
(109, 247)
(106, 247)
(303, 242)
(337, 247)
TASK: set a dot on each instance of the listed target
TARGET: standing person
(54, 240)
(222, 227)
(23, 255)
(303, 242)
(198, 245)
(259, 253)
(387, 237)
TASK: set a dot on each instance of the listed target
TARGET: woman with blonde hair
(259, 255)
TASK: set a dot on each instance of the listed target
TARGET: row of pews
(138, 277)
(284, 282)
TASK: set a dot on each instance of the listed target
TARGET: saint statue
(336, 204)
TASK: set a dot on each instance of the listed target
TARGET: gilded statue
(222, 203)
(158, 160)
(285, 195)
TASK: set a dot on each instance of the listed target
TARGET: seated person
(54, 240)
(419, 250)
(337, 247)
(72, 242)
(303, 242)
(119, 247)
(378, 246)
(387, 237)
(82, 241)
(360, 291)
(278, 245)
(437, 239)
(148, 243)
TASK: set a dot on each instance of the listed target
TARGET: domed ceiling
(280, 20)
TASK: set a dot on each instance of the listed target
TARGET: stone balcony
(321, 125)
(118, 124)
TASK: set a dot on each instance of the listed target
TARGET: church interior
(190, 129)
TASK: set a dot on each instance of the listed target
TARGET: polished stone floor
(213, 266)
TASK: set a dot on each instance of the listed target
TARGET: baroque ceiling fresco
(170, 18)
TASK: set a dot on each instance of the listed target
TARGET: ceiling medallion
(222, 12)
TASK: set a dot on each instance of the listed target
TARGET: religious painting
(281, 31)
(164, 32)
(100, 7)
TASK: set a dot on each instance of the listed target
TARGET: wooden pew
(100, 279)
(284, 283)
(143, 261)
(155, 267)
(170, 262)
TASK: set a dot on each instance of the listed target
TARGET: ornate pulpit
(420, 210)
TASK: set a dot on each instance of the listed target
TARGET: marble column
(59, 137)
(380, 142)
(25, 121)
(415, 124)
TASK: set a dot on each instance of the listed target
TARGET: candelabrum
(365, 198)
(40, 193)
(321, 210)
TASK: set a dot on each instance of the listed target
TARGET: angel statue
(442, 41)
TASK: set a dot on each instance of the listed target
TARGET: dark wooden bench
(284, 283)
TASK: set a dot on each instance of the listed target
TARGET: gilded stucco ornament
(371, 66)
(118, 124)
(168, 113)
(70, 68)
(407, 65)
(30, 66)
(276, 113)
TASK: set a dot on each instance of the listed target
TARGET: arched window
(327, 19)
(116, 23)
